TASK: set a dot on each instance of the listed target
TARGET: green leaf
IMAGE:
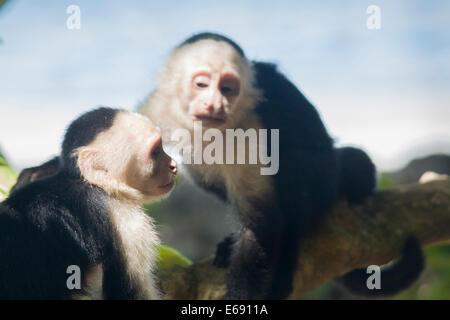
(385, 182)
(169, 257)
(7, 178)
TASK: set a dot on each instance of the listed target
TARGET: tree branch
(349, 237)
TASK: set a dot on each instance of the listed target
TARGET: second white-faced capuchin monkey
(87, 213)
(208, 78)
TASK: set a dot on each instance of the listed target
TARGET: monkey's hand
(223, 251)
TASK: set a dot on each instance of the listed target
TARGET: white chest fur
(138, 238)
(241, 181)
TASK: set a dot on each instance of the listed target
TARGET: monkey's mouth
(209, 121)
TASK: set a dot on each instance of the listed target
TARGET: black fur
(394, 278)
(307, 181)
(357, 174)
(81, 132)
(58, 221)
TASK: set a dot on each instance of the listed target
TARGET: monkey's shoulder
(283, 106)
(276, 86)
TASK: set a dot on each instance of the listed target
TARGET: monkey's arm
(252, 265)
(256, 251)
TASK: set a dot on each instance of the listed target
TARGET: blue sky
(385, 90)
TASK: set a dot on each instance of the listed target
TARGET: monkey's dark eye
(202, 81)
(226, 90)
(202, 85)
(229, 86)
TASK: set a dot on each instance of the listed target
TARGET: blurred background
(385, 90)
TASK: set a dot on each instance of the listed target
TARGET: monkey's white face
(148, 169)
(211, 82)
(128, 160)
(214, 92)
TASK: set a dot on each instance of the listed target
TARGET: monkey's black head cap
(82, 131)
(212, 36)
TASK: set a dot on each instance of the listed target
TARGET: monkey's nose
(173, 166)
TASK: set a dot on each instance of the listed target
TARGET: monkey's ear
(91, 166)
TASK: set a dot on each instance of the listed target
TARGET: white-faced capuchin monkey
(208, 78)
(87, 213)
